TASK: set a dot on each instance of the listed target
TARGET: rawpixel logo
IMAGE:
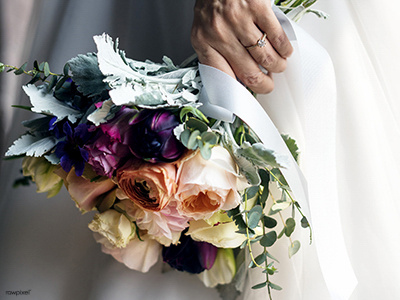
(18, 293)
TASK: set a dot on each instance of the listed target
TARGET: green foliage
(292, 146)
(294, 248)
(87, 75)
(2, 67)
(268, 239)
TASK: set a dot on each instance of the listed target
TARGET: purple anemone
(152, 138)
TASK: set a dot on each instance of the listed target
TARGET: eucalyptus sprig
(40, 72)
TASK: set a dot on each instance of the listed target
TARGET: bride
(348, 134)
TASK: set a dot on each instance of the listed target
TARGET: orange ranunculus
(150, 186)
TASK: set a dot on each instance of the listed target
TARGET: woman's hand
(222, 35)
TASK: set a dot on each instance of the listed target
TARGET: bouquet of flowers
(129, 140)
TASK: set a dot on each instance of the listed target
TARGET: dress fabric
(45, 245)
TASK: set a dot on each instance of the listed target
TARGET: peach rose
(150, 186)
(165, 225)
(85, 192)
(206, 186)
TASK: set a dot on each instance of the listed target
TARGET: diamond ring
(260, 43)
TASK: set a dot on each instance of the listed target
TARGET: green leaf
(209, 137)
(192, 142)
(268, 239)
(259, 286)
(66, 70)
(196, 124)
(269, 222)
(292, 146)
(60, 82)
(293, 248)
(46, 69)
(35, 78)
(2, 67)
(36, 65)
(304, 222)
(258, 155)
(272, 257)
(185, 135)
(52, 83)
(290, 226)
(274, 286)
(194, 111)
(277, 207)
(205, 150)
(41, 66)
(254, 216)
(87, 75)
(21, 69)
(281, 233)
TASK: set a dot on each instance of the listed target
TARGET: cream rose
(150, 186)
(114, 226)
(206, 186)
(42, 173)
(220, 231)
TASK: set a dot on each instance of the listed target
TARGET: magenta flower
(152, 137)
(107, 151)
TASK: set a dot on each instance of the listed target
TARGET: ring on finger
(260, 43)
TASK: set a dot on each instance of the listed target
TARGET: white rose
(139, 255)
(220, 231)
(114, 226)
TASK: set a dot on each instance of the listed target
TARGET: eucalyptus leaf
(259, 286)
(268, 239)
(304, 222)
(205, 150)
(254, 216)
(184, 137)
(277, 207)
(294, 248)
(274, 286)
(196, 124)
(290, 225)
(46, 69)
(192, 142)
(269, 222)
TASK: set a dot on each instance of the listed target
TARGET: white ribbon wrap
(223, 98)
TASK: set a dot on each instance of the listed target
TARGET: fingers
(266, 56)
(222, 29)
(268, 23)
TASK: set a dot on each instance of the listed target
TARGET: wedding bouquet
(129, 140)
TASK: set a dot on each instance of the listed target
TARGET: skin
(221, 31)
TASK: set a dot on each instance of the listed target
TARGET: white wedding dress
(45, 245)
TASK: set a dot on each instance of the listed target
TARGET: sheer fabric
(45, 245)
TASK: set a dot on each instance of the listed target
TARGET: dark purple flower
(107, 152)
(190, 256)
(152, 137)
(71, 151)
